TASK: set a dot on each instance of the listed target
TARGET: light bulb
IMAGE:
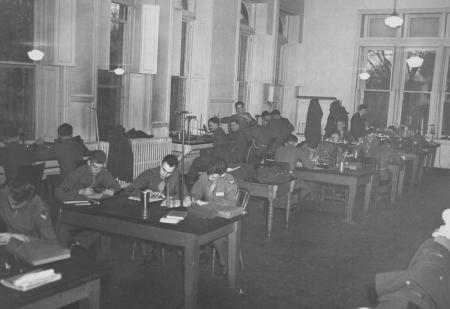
(119, 71)
(35, 54)
(393, 21)
(364, 76)
(414, 62)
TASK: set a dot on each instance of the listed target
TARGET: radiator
(149, 152)
(101, 145)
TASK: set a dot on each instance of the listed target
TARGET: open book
(38, 252)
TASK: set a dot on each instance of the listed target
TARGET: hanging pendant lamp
(393, 20)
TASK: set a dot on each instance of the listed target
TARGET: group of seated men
(27, 216)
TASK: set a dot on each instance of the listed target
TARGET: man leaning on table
(218, 187)
(25, 215)
(163, 179)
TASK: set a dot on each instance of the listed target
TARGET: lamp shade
(364, 76)
(414, 62)
(119, 71)
(393, 21)
(35, 54)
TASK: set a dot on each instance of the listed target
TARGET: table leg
(394, 183)
(368, 194)
(93, 299)
(269, 219)
(191, 257)
(350, 203)
(414, 171)
(420, 169)
(63, 235)
(288, 210)
(234, 248)
(401, 180)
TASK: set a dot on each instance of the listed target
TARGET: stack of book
(174, 217)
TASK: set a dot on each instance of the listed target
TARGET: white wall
(329, 39)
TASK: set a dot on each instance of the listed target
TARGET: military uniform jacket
(150, 179)
(426, 281)
(223, 191)
(16, 155)
(82, 178)
(32, 220)
(291, 155)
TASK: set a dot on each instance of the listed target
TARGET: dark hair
(276, 112)
(333, 132)
(265, 113)
(217, 166)
(98, 156)
(214, 120)
(65, 130)
(239, 103)
(235, 120)
(21, 190)
(362, 106)
(171, 160)
(11, 131)
(291, 138)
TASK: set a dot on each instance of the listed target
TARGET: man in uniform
(238, 143)
(163, 179)
(244, 118)
(279, 128)
(15, 154)
(293, 155)
(67, 150)
(216, 186)
(25, 214)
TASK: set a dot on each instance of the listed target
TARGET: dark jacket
(16, 155)
(32, 220)
(120, 155)
(337, 113)
(67, 152)
(223, 191)
(313, 131)
(238, 146)
(357, 126)
(82, 178)
(291, 155)
(426, 281)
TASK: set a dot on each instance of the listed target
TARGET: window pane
(415, 109)
(176, 102)
(17, 100)
(377, 28)
(118, 11)
(16, 29)
(378, 104)
(183, 48)
(446, 116)
(420, 78)
(379, 66)
(116, 47)
(243, 42)
(242, 90)
(244, 16)
(447, 88)
(424, 27)
(109, 98)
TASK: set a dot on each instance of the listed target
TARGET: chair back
(33, 173)
(242, 198)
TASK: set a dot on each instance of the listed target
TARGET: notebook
(31, 280)
(38, 252)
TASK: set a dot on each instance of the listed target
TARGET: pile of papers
(174, 217)
(28, 281)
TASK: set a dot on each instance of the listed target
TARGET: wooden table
(80, 282)
(398, 180)
(430, 153)
(271, 192)
(121, 216)
(351, 179)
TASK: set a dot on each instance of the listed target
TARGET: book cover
(38, 252)
(176, 214)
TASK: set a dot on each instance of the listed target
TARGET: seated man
(218, 187)
(237, 143)
(293, 155)
(15, 154)
(163, 179)
(67, 150)
(25, 214)
(279, 129)
(344, 134)
(329, 152)
(88, 179)
(244, 118)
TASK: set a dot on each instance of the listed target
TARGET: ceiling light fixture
(364, 76)
(35, 54)
(414, 62)
(119, 71)
(393, 20)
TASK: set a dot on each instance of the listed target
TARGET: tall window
(408, 83)
(16, 70)
(110, 92)
(244, 50)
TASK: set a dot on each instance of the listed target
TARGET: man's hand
(6, 237)
(86, 191)
(108, 192)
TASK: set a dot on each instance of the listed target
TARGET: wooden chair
(242, 199)
(382, 187)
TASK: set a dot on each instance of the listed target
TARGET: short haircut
(291, 138)
(239, 103)
(11, 131)
(276, 112)
(98, 157)
(265, 113)
(217, 166)
(171, 160)
(362, 106)
(334, 132)
(21, 190)
(214, 120)
(235, 121)
(65, 129)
